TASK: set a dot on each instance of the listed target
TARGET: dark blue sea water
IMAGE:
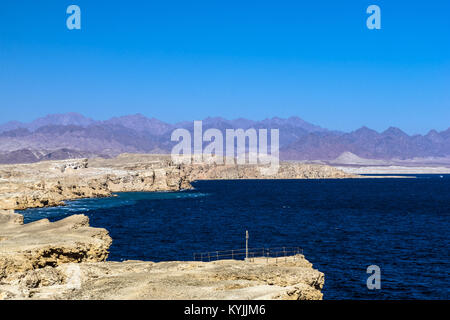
(401, 225)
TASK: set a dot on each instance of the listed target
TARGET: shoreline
(47, 252)
(37, 259)
(397, 170)
(67, 259)
(50, 183)
(112, 195)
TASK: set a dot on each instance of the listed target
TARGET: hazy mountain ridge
(391, 143)
(80, 136)
(70, 118)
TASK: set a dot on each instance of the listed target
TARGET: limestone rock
(223, 279)
(42, 243)
(49, 183)
(65, 259)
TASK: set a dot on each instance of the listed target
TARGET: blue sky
(185, 60)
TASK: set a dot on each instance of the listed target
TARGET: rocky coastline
(49, 183)
(40, 260)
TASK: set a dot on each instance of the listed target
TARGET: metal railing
(241, 254)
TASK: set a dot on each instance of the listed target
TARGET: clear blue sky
(185, 60)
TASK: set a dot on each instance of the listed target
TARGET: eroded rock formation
(66, 259)
(35, 245)
(49, 183)
(223, 279)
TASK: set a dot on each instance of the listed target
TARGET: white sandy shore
(394, 170)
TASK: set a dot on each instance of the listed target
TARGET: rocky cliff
(49, 183)
(42, 243)
(66, 259)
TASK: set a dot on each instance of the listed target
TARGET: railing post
(232, 254)
(246, 244)
(217, 255)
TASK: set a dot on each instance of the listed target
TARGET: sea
(344, 226)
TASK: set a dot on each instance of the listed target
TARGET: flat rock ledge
(222, 279)
(66, 260)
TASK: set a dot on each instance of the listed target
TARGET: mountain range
(72, 135)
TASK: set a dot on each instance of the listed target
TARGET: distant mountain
(64, 119)
(291, 129)
(19, 156)
(97, 138)
(11, 125)
(30, 156)
(366, 143)
(68, 135)
(141, 123)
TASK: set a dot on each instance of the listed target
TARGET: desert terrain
(66, 259)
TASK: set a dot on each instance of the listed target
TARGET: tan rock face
(66, 260)
(42, 243)
(37, 259)
(223, 279)
(50, 183)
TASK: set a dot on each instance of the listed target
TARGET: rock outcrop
(49, 183)
(35, 245)
(66, 259)
(223, 279)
